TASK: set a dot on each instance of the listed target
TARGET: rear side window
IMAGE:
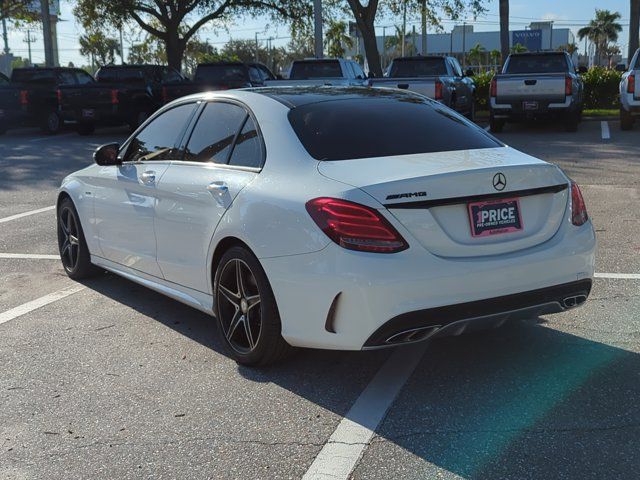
(66, 77)
(248, 148)
(157, 141)
(220, 73)
(537, 64)
(107, 75)
(310, 70)
(214, 133)
(384, 125)
(83, 77)
(423, 67)
(33, 76)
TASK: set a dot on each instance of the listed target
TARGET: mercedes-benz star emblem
(499, 181)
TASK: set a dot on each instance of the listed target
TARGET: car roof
(421, 57)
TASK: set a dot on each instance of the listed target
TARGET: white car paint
(164, 234)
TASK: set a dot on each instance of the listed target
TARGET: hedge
(601, 88)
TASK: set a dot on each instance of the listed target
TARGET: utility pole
(46, 31)
(404, 25)
(384, 47)
(317, 28)
(464, 44)
(257, 46)
(29, 40)
(121, 48)
(5, 35)
(424, 26)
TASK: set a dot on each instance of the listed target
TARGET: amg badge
(396, 196)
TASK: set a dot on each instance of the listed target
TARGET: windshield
(311, 70)
(221, 74)
(423, 67)
(537, 64)
(383, 125)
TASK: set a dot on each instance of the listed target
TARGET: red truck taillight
(24, 97)
(59, 96)
(631, 84)
(114, 97)
(493, 90)
(568, 86)
(438, 93)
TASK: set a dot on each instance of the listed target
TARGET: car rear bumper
(340, 299)
(515, 110)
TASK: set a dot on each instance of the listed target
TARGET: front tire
(72, 246)
(246, 310)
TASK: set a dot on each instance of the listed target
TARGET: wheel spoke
(73, 240)
(239, 280)
(237, 319)
(252, 302)
(231, 297)
(63, 226)
(247, 331)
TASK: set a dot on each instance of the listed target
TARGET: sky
(565, 13)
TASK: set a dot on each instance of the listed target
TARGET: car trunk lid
(548, 87)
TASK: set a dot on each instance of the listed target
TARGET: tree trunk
(175, 48)
(634, 27)
(504, 29)
(365, 17)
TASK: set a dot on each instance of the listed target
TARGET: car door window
(254, 75)
(66, 78)
(266, 73)
(358, 71)
(158, 140)
(457, 69)
(83, 77)
(214, 133)
(247, 151)
(172, 76)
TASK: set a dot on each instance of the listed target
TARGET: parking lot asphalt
(116, 381)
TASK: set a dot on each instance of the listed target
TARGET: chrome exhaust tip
(412, 335)
(574, 301)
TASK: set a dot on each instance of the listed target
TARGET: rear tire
(496, 125)
(246, 310)
(571, 122)
(52, 123)
(74, 253)
(86, 129)
(626, 120)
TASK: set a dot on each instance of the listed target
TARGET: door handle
(218, 188)
(148, 177)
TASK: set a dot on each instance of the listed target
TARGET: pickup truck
(438, 77)
(44, 97)
(536, 85)
(314, 72)
(218, 76)
(630, 93)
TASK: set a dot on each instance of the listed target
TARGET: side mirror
(107, 154)
(582, 69)
(621, 67)
(469, 72)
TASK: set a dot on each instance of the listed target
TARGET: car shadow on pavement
(524, 401)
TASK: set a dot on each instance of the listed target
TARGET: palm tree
(634, 27)
(495, 55)
(518, 48)
(476, 53)
(337, 39)
(602, 30)
(394, 43)
(504, 29)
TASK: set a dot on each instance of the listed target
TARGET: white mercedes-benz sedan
(338, 218)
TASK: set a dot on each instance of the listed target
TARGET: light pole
(46, 33)
(404, 25)
(317, 29)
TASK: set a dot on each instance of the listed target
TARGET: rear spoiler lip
(478, 198)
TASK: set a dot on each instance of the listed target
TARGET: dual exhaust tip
(574, 301)
(412, 335)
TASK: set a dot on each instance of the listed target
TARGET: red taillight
(24, 97)
(59, 96)
(568, 86)
(494, 88)
(438, 90)
(355, 226)
(631, 84)
(114, 97)
(165, 95)
(578, 208)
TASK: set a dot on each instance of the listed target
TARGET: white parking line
(39, 303)
(339, 456)
(606, 135)
(619, 276)
(26, 214)
(52, 137)
(29, 256)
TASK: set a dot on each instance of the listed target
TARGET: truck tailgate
(549, 87)
(423, 86)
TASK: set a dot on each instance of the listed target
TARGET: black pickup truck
(219, 76)
(44, 97)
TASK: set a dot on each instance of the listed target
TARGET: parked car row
(531, 86)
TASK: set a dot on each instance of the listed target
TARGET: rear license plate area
(495, 217)
(530, 106)
(88, 113)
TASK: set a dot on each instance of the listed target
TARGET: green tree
(518, 48)
(602, 30)
(176, 22)
(394, 43)
(495, 56)
(98, 47)
(337, 39)
(476, 54)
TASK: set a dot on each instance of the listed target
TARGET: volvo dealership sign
(532, 39)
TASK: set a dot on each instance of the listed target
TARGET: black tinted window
(308, 70)
(248, 149)
(254, 75)
(33, 76)
(537, 64)
(213, 135)
(83, 77)
(422, 67)
(158, 139)
(221, 74)
(383, 125)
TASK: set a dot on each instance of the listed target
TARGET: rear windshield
(112, 75)
(221, 73)
(537, 64)
(423, 67)
(33, 76)
(311, 70)
(383, 126)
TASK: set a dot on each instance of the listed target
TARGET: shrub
(601, 88)
(483, 81)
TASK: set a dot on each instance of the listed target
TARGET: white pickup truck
(330, 71)
(630, 93)
(536, 86)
